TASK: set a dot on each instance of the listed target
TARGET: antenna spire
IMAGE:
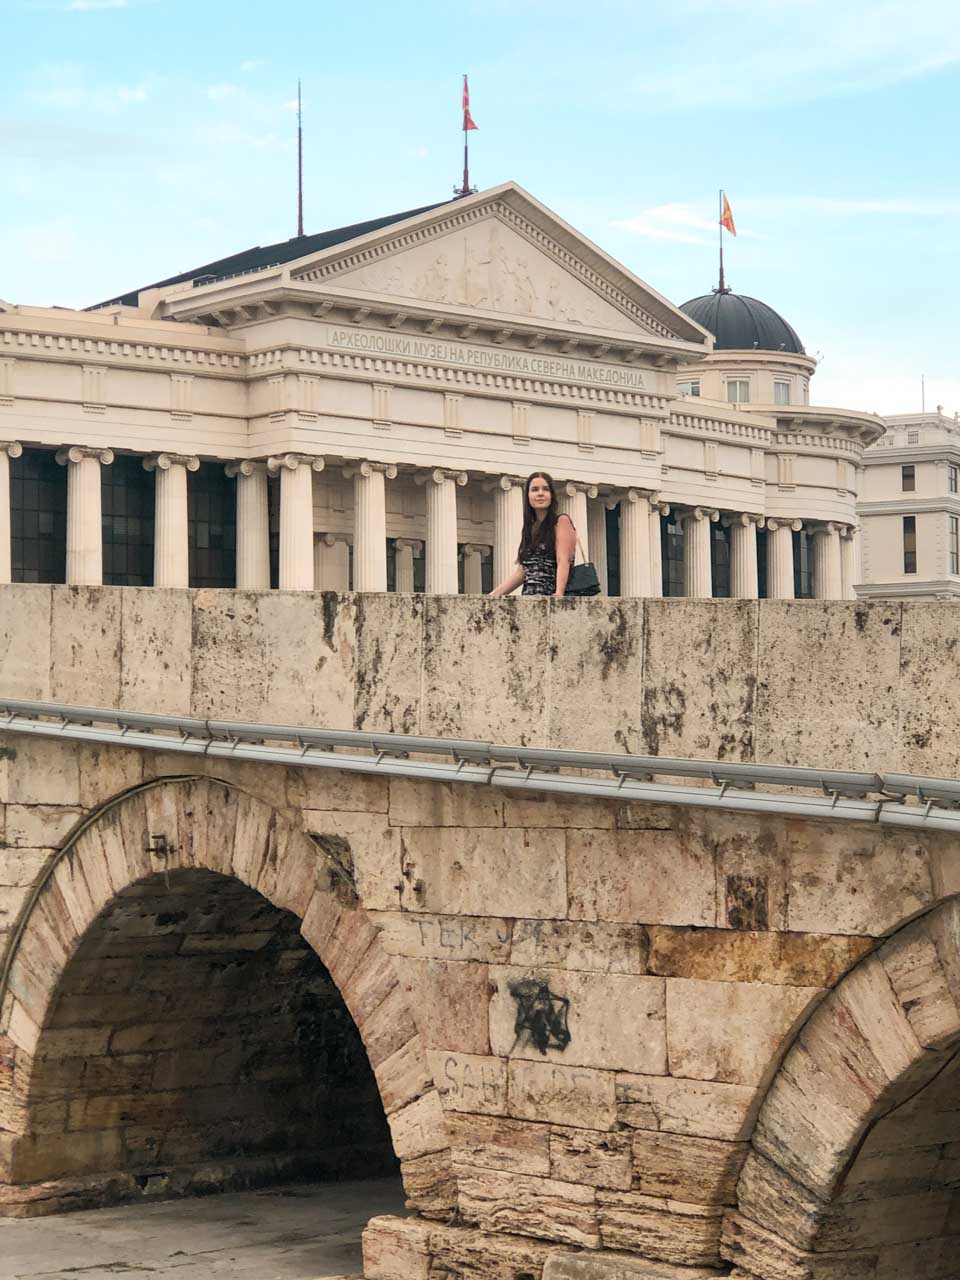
(299, 163)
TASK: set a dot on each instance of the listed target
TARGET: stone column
(296, 518)
(253, 525)
(84, 513)
(744, 578)
(507, 525)
(657, 510)
(331, 563)
(849, 562)
(406, 549)
(635, 560)
(597, 541)
(8, 449)
(780, 558)
(473, 556)
(697, 567)
(171, 545)
(370, 524)
(827, 571)
(572, 499)
(442, 575)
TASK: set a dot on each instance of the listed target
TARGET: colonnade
(308, 561)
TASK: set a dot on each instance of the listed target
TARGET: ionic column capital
(505, 483)
(366, 469)
(291, 461)
(572, 487)
(828, 527)
(780, 522)
(12, 448)
(439, 474)
(164, 461)
(477, 548)
(611, 499)
(409, 544)
(331, 539)
(77, 452)
(702, 513)
(848, 532)
(742, 518)
(246, 467)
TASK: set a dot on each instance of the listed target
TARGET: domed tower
(757, 356)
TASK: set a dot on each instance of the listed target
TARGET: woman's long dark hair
(542, 536)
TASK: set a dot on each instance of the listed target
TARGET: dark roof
(272, 255)
(740, 323)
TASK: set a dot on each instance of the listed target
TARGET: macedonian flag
(467, 117)
(726, 214)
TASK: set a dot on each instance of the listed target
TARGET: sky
(140, 138)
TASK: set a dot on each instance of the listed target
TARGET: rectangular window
(613, 551)
(127, 498)
(908, 478)
(720, 560)
(38, 517)
(909, 544)
(690, 388)
(954, 545)
(212, 526)
(671, 551)
(420, 569)
(952, 479)
(738, 391)
(781, 393)
(762, 537)
(913, 437)
(803, 565)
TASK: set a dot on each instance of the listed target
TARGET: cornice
(910, 505)
(876, 455)
(34, 344)
(925, 588)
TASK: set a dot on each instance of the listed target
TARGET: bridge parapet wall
(826, 684)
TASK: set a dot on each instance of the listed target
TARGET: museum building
(357, 410)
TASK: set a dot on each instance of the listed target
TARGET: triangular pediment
(500, 252)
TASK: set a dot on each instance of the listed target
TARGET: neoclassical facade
(357, 409)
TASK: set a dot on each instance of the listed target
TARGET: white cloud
(219, 92)
(681, 223)
(854, 207)
(251, 64)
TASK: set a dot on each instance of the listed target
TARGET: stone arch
(855, 1157)
(173, 826)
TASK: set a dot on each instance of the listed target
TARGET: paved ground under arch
(303, 1232)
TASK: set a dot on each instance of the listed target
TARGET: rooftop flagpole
(299, 163)
(468, 124)
(721, 288)
(726, 221)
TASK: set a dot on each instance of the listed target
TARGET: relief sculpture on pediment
(491, 267)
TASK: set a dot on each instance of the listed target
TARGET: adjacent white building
(910, 509)
(357, 409)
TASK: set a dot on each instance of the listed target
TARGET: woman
(548, 544)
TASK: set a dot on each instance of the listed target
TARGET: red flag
(726, 217)
(467, 117)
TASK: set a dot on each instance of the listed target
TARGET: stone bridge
(602, 1039)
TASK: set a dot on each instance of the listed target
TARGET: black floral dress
(540, 571)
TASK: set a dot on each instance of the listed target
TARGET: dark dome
(740, 323)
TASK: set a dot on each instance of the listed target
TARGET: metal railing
(893, 799)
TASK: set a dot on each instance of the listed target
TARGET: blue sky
(144, 137)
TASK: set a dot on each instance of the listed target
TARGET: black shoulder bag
(583, 579)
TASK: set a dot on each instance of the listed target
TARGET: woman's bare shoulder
(563, 516)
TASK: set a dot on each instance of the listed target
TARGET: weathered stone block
(648, 877)
(369, 849)
(731, 1031)
(601, 1265)
(855, 652)
(659, 1228)
(457, 870)
(922, 987)
(39, 826)
(699, 696)
(156, 660)
(388, 638)
(693, 1170)
(337, 791)
(476, 1255)
(632, 1040)
(418, 1128)
(569, 944)
(423, 936)
(699, 1108)
(106, 771)
(527, 1205)
(40, 771)
(396, 1249)
(85, 638)
(762, 1253)
(448, 1000)
(444, 804)
(491, 1142)
(470, 1083)
(578, 1096)
(430, 1185)
(25, 640)
(545, 809)
(404, 1075)
(595, 1159)
(730, 955)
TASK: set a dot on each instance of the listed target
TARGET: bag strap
(583, 557)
